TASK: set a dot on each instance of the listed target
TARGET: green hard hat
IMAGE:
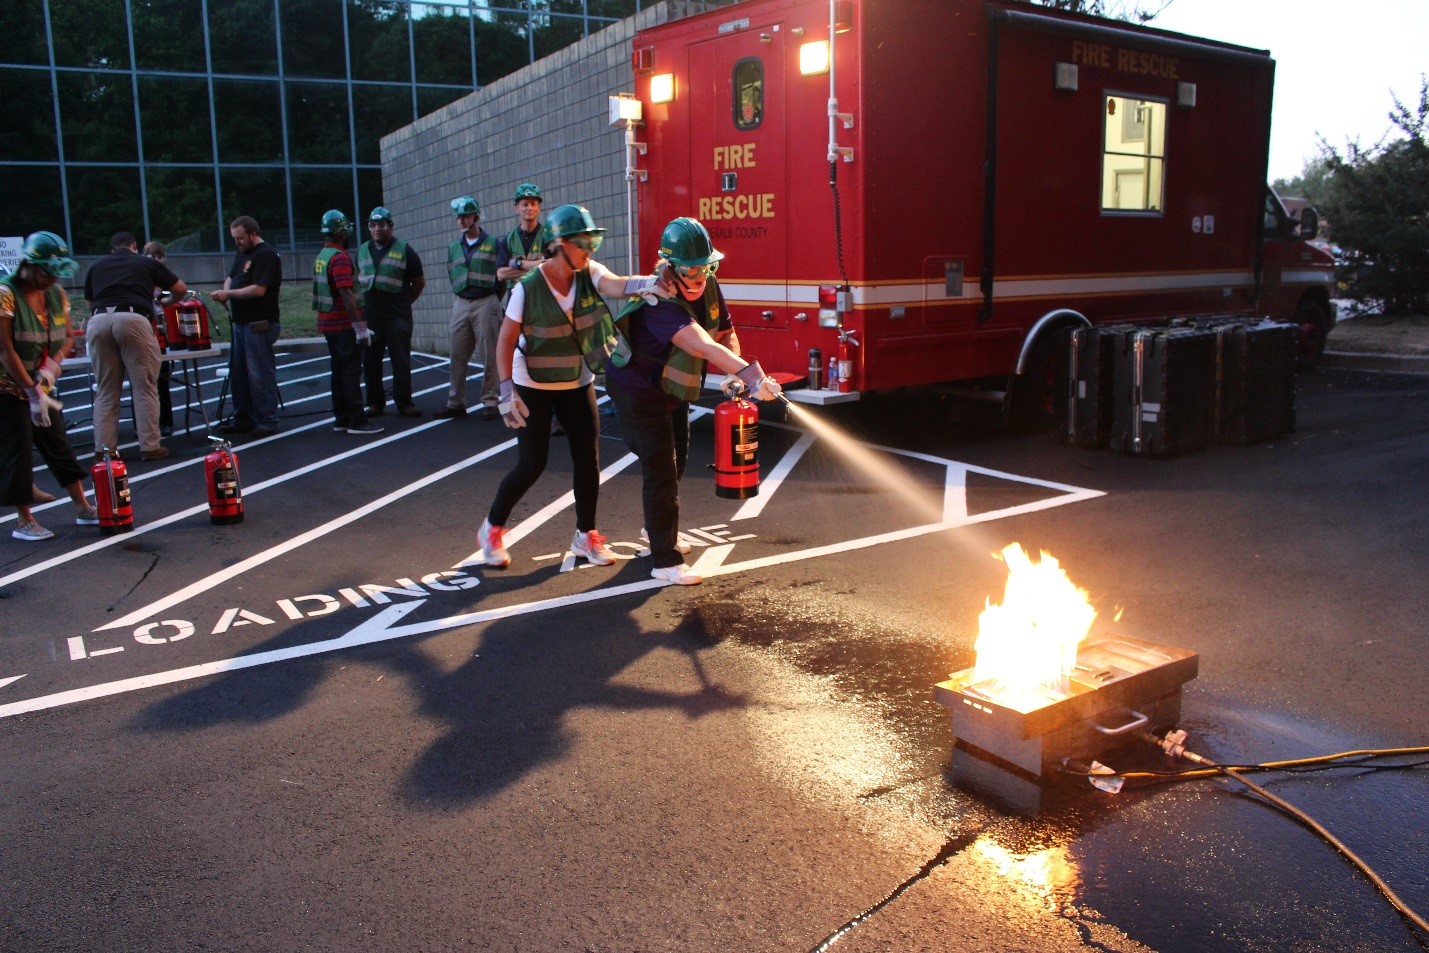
(528, 190)
(465, 205)
(568, 220)
(335, 223)
(380, 214)
(686, 242)
(49, 253)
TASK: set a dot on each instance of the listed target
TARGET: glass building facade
(169, 118)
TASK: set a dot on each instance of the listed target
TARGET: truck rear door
(737, 129)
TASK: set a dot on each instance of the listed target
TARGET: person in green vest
(670, 342)
(558, 331)
(526, 243)
(340, 323)
(34, 341)
(391, 278)
(476, 311)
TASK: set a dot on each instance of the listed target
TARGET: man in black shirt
(252, 289)
(120, 336)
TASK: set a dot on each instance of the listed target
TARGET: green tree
(1378, 200)
(1137, 11)
(1312, 184)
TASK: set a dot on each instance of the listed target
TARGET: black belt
(486, 294)
(111, 308)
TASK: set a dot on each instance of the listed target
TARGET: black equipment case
(1086, 383)
(1256, 371)
(1164, 396)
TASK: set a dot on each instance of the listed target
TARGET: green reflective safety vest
(480, 272)
(390, 275)
(34, 338)
(558, 343)
(684, 373)
(322, 288)
(537, 252)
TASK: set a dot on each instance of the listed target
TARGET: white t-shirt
(516, 306)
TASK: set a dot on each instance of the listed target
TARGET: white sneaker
(680, 575)
(493, 553)
(32, 532)
(592, 547)
(681, 547)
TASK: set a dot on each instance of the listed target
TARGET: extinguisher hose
(838, 220)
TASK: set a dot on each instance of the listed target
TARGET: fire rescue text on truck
(934, 190)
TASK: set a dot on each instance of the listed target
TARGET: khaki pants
(120, 343)
(475, 327)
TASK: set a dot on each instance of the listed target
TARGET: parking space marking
(12, 679)
(267, 555)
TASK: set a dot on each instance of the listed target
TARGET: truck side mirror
(1309, 223)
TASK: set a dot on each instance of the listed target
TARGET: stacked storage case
(1085, 384)
(1164, 391)
(1256, 371)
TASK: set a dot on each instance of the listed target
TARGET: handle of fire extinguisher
(1138, 720)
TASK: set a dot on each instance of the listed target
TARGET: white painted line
(198, 461)
(768, 486)
(203, 507)
(12, 679)
(302, 539)
(382, 626)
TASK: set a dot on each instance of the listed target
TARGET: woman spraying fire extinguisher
(653, 382)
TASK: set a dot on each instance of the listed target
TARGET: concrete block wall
(549, 124)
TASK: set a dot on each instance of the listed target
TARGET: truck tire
(1314, 322)
(1030, 407)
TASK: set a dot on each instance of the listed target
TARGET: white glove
(363, 332)
(732, 387)
(760, 385)
(512, 407)
(41, 404)
(647, 285)
(49, 372)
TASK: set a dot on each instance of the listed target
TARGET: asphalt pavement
(324, 729)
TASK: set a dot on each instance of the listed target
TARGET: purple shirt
(652, 331)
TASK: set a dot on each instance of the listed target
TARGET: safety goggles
(586, 243)
(697, 271)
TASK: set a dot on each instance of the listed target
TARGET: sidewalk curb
(1361, 361)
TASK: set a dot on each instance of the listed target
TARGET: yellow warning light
(814, 57)
(662, 87)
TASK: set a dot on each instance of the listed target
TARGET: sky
(1336, 63)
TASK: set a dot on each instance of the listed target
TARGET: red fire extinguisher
(193, 322)
(847, 342)
(225, 493)
(156, 318)
(736, 466)
(111, 494)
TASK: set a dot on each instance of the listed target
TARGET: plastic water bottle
(833, 382)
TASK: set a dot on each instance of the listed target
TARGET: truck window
(748, 93)
(1134, 155)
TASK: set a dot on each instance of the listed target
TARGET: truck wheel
(1033, 391)
(1314, 324)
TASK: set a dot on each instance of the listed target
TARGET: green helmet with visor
(335, 223)
(49, 253)
(527, 190)
(465, 205)
(572, 221)
(686, 245)
(380, 214)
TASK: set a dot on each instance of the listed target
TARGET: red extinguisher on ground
(193, 322)
(736, 466)
(111, 494)
(225, 493)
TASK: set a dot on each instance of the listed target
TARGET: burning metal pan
(1119, 685)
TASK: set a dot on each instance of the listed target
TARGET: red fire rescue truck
(934, 189)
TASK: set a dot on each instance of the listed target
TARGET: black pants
(660, 437)
(166, 399)
(345, 362)
(392, 336)
(575, 409)
(18, 441)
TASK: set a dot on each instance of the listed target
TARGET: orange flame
(1027, 646)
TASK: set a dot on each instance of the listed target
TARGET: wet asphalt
(318, 730)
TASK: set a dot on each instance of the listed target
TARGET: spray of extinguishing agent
(225, 492)
(111, 493)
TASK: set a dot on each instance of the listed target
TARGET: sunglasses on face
(697, 271)
(586, 243)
